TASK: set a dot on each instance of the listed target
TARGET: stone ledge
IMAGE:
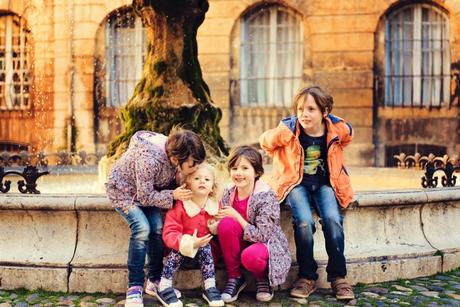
(100, 202)
(389, 235)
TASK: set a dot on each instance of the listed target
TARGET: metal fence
(31, 166)
(437, 169)
(42, 159)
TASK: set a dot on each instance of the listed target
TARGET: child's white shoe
(213, 297)
(151, 288)
(168, 298)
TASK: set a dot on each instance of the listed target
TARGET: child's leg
(211, 294)
(140, 230)
(299, 201)
(155, 243)
(231, 243)
(255, 259)
(172, 265)
(332, 224)
(204, 257)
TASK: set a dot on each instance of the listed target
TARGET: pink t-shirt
(241, 205)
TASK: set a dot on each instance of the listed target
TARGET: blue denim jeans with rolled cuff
(301, 200)
(146, 224)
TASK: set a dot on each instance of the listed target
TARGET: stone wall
(78, 243)
(341, 52)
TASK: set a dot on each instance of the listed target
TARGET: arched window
(271, 62)
(124, 56)
(118, 62)
(14, 63)
(417, 57)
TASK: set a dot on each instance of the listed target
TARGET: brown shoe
(342, 289)
(303, 288)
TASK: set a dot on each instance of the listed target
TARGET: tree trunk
(172, 91)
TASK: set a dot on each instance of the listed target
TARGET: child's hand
(181, 193)
(227, 211)
(201, 241)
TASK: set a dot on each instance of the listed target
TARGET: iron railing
(42, 159)
(30, 175)
(431, 164)
(31, 166)
(419, 162)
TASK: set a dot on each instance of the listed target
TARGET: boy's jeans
(146, 226)
(300, 200)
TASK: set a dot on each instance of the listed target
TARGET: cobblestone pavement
(438, 290)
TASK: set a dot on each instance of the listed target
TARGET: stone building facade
(67, 66)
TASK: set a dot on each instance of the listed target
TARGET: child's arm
(347, 134)
(267, 216)
(272, 139)
(146, 176)
(173, 235)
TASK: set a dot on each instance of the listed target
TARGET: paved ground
(438, 290)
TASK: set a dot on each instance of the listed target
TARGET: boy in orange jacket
(307, 151)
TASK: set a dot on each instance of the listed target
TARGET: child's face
(201, 182)
(188, 167)
(309, 114)
(242, 173)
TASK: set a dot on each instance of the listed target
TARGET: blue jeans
(146, 226)
(301, 200)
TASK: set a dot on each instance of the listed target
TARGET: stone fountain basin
(78, 243)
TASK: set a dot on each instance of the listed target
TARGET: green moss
(156, 92)
(148, 108)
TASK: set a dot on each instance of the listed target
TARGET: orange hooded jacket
(283, 145)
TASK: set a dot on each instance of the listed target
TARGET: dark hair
(183, 144)
(323, 99)
(251, 154)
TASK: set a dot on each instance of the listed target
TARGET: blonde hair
(212, 171)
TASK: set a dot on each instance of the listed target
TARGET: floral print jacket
(264, 218)
(143, 175)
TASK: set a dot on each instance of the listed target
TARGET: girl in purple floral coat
(249, 230)
(142, 182)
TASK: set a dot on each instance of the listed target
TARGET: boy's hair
(212, 170)
(184, 143)
(323, 99)
(251, 154)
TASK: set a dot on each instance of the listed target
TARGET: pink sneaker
(151, 288)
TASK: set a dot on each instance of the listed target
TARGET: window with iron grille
(14, 63)
(124, 56)
(417, 57)
(271, 57)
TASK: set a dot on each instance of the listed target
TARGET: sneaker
(264, 292)
(168, 298)
(213, 297)
(303, 288)
(233, 287)
(134, 297)
(152, 287)
(342, 289)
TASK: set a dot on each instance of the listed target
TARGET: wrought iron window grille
(453, 100)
